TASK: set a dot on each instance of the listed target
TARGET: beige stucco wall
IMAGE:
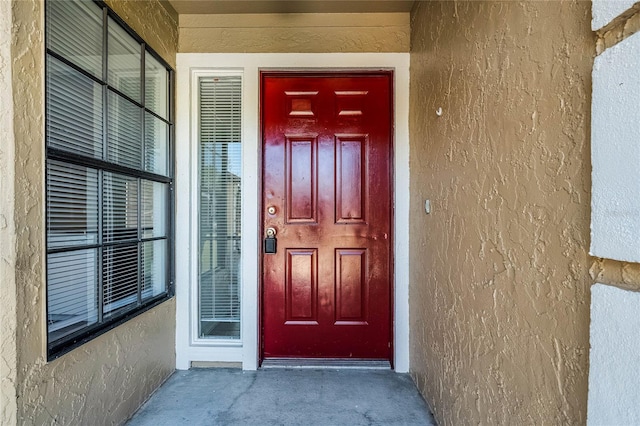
(499, 291)
(304, 33)
(620, 274)
(8, 363)
(105, 380)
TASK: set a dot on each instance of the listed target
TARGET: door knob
(271, 232)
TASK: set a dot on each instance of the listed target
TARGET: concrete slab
(285, 397)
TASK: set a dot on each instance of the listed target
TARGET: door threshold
(328, 363)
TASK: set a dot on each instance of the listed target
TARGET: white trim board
(189, 349)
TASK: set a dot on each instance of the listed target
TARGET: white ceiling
(289, 6)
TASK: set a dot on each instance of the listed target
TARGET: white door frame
(189, 66)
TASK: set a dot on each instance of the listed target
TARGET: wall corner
(8, 319)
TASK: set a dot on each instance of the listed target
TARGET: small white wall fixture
(191, 65)
(614, 376)
(615, 152)
(604, 11)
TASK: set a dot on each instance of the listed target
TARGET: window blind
(156, 83)
(74, 104)
(72, 205)
(108, 185)
(124, 62)
(74, 30)
(220, 165)
(125, 128)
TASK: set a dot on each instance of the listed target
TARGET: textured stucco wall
(621, 274)
(499, 291)
(101, 382)
(299, 33)
(8, 366)
(104, 381)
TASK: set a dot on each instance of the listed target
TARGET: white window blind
(74, 104)
(108, 185)
(220, 184)
(74, 31)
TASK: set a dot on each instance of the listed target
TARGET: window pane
(124, 61)
(156, 86)
(74, 31)
(124, 143)
(72, 205)
(154, 261)
(220, 289)
(154, 209)
(72, 292)
(74, 110)
(108, 242)
(120, 278)
(220, 183)
(220, 109)
(156, 148)
(120, 207)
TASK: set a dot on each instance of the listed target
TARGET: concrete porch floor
(222, 396)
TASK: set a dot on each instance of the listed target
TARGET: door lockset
(270, 242)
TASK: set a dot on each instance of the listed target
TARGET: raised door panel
(350, 178)
(351, 287)
(301, 288)
(302, 180)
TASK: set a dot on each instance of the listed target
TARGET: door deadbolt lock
(270, 242)
(271, 210)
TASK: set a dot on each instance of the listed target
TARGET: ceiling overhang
(289, 6)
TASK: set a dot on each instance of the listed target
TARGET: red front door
(327, 194)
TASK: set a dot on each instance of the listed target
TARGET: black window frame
(69, 342)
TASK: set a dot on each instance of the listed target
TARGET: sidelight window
(220, 174)
(108, 174)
